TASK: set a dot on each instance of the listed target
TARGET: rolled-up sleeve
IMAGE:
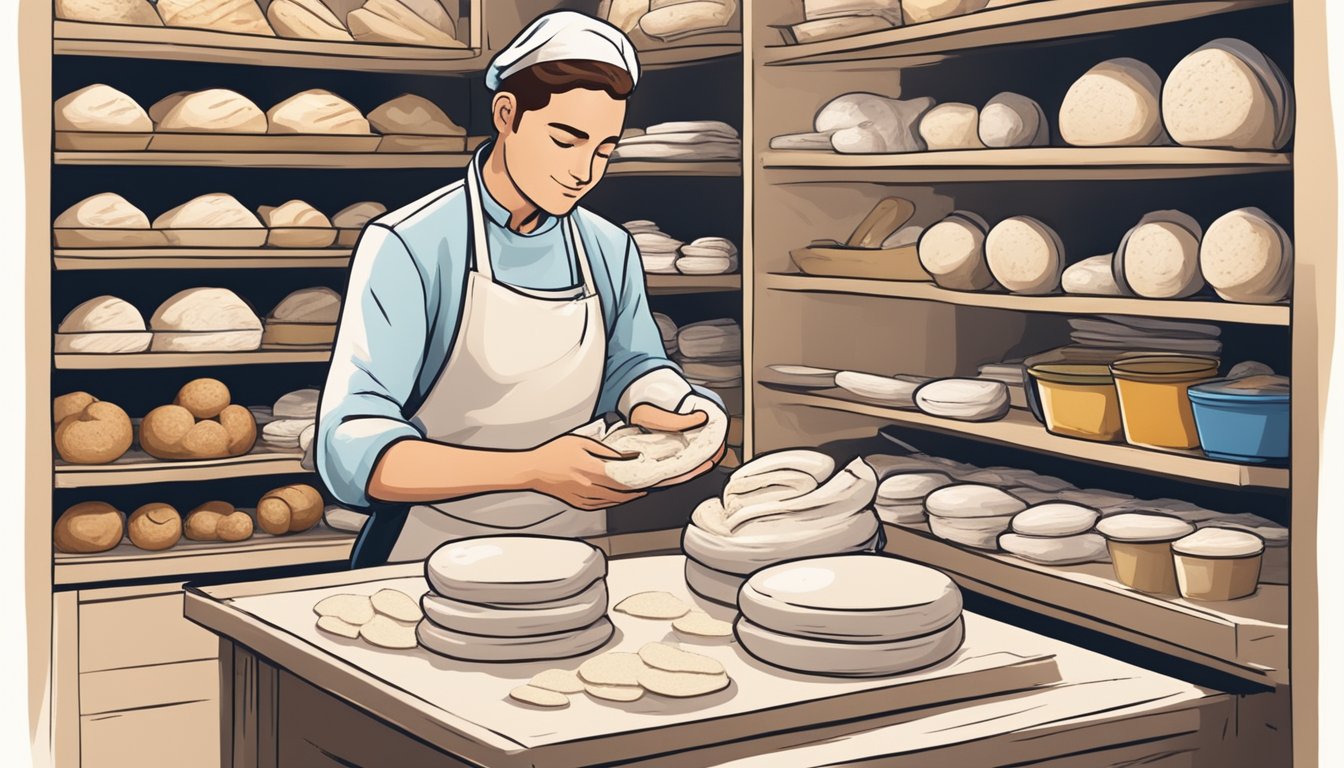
(379, 350)
(638, 370)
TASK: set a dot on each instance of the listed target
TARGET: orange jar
(1154, 397)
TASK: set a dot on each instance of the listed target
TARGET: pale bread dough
(896, 390)
(352, 609)
(743, 553)
(673, 659)
(386, 632)
(1246, 256)
(951, 126)
(1158, 258)
(910, 487)
(714, 586)
(1055, 519)
(964, 399)
(953, 252)
(701, 624)
(338, 626)
(1013, 120)
(848, 659)
(971, 500)
(539, 697)
(514, 570)
(397, 605)
(1115, 103)
(612, 668)
(615, 692)
(681, 684)
(1025, 255)
(561, 645)
(564, 615)
(653, 605)
(977, 532)
(1056, 550)
(558, 680)
(1092, 276)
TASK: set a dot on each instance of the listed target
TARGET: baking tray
(405, 142)
(900, 264)
(262, 142)
(280, 335)
(222, 237)
(102, 141)
(300, 237)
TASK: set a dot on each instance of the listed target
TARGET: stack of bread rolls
(202, 422)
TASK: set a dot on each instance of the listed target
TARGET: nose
(582, 171)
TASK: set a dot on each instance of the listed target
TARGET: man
(489, 319)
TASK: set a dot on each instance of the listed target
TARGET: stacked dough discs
(778, 507)
(850, 616)
(515, 598)
(971, 514)
(1055, 533)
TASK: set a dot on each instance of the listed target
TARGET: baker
(489, 319)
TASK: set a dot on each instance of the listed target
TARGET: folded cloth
(709, 246)
(704, 150)
(1102, 326)
(677, 138)
(812, 140)
(1008, 373)
(284, 433)
(641, 226)
(711, 340)
(656, 242)
(706, 265)
(1156, 325)
(1150, 343)
(659, 263)
(693, 126)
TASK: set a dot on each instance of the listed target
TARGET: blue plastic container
(1238, 421)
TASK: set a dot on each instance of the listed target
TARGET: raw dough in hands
(664, 455)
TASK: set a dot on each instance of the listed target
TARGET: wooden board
(68, 259)
(74, 361)
(136, 467)
(677, 284)
(467, 706)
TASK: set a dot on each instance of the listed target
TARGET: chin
(559, 205)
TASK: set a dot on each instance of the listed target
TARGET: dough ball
(154, 526)
(234, 527)
(87, 527)
(68, 405)
(203, 522)
(205, 398)
(162, 431)
(98, 434)
(206, 440)
(241, 427)
(289, 509)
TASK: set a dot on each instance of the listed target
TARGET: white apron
(526, 366)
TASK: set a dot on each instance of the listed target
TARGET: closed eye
(561, 144)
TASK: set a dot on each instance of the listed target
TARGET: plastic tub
(1067, 354)
(1218, 564)
(1079, 400)
(1140, 547)
(1243, 420)
(1154, 397)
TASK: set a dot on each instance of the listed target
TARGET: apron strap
(379, 535)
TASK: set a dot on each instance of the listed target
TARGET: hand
(656, 419)
(572, 469)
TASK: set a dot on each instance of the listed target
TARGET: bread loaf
(1114, 103)
(234, 527)
(1025, 256)
(309, 305)
(917, 11)
(154, 527)
(1159, 257)
(296, 224)
(137, 12)
(105, 220)
(69, 404)
(972, 500)
(102, 325)
(674, 22)
(217, 110)
(1092, 276)
(202, 523)
(623, 14)
(289, 509)
(238, 16)
(953, 252)
(951, 126)
(88, 527)
(100, 108)
(316, 111)
(1013, 120)
(1247, 257)
(1228, 94)
(964, 399)
(1055, 519)
(98, 433)
(391, 21)
(199, 221)
(412, 114)
(305, 20)
(205, 320)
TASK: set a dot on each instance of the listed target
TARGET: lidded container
(1218, 563)
(1079, 400)
(1154, 401)
(1140, 547)
(1073, 353)
(1245, 419)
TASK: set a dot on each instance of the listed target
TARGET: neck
(524, 215)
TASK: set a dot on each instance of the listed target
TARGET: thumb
(602, 450)
(653, 418)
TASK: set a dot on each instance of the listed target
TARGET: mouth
(569, 191)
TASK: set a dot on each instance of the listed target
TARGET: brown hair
(533, 87)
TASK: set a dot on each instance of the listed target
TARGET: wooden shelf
(1028, 22)
(126, 561)
(674, 284)
(1209, 310)
(1020, 430)
(1247, 637)
(78, 38)
(1026, 164)
(692, 50)
(674, 168)
(152, 360)
(73, 259)
(138, 468)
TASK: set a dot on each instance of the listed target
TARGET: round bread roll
(565, 615)
(289, 509)
(234, 527)
(510, 570)
(1055, 519)
(202, 523)
(1025, 256)
(100, 107)
(951, 126)
(98, 434)
(88, 527)
(1114, 104)
(241, 428)
(855, 598)
(155, 526)
(163, 429)
(69, 404)
(1227, 94)
(1247, 257)
(206, 440)
(560, 645)
(296, 224)
(964, 399)
(953, 252)
(847, 659)
(316, 111)
(205, 398)
(217, 110)
(1092, 276)
(1159, 257)
(1013, 120)
(971, 500)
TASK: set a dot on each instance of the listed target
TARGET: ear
(502, 111)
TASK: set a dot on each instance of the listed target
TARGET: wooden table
(294, 696)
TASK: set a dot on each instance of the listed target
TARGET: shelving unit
(137, 468)
(74, 259)
(682, 284)
(71, 361)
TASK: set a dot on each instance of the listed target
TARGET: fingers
(602, 451)
(656, 419)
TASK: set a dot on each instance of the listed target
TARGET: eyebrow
(571, 129)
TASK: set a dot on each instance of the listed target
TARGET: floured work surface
(464, 708)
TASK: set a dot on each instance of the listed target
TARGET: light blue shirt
(401, 314)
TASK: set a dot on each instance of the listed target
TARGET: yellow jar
(1154, 397)
(1079, 400)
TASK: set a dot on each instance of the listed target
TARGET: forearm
(420, 471)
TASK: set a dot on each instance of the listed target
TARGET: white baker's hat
(563, 36)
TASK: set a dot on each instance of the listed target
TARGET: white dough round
(911, 486)
(1247, 257)
(742, 554)
(953, 252)
(1013, 120)
(968, 500)
(514, 569)
(1114, 103)
(714, 586)
(1056, 550)
(564, 615)
(897, 390)
(561, 645)
(1092, 276)
(1220, 96)
(1025, 255)
(848, 659)
(1055, 519)
(977, 532)
(964, 399)
(1158, 258)
(951, 126)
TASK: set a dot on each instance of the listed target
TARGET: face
(558, 153)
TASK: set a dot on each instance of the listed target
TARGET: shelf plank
(691, 50)
(126, 561)
(74, 259)
(152, 360)
(1209, 310)
(1247, 637)
(138, 468)
(677, 284)
(1019, 429)
(1025, 164)
(1027, 22)
(78, 38)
